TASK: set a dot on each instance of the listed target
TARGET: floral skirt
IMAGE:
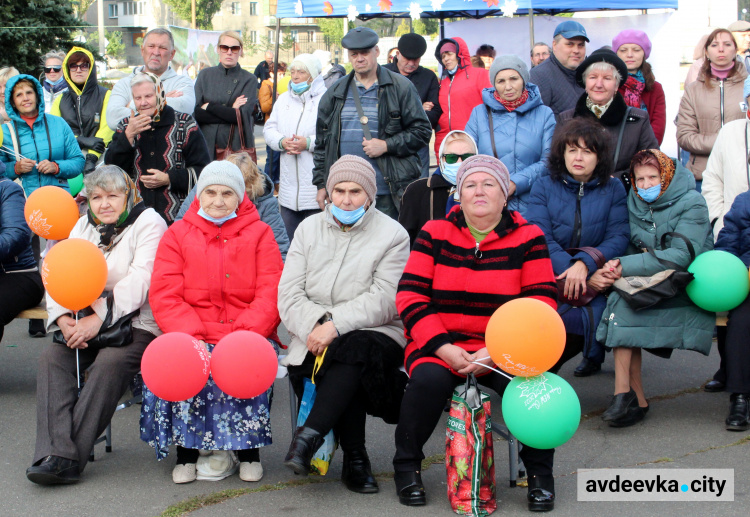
(212, 420)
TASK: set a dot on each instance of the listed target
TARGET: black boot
(620, 405)
(54, 470)
(409, 488)
(357, 473)
(541, 495)
(305, 443)
(739, 413)
(632, 416)
(586, 368)
(713, 386)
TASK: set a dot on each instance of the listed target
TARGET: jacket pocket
(393, 126)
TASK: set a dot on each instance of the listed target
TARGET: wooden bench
(35, 313)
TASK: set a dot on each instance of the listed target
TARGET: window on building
(295, 35)
(113, 10)
(253, 36)
(272, 35)
(253, 8)
(236, 8)
(310, 36)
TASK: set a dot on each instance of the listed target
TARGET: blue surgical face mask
(649, 195)
(218, 221)
(347, 216)
(453, 70)
(450, 171)
(299, 88)
(55, 83)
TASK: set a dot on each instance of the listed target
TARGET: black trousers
(429, 387)
(736, 361)
(18, 292)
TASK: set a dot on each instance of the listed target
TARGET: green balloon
(721, 281)
(542, 411)
(75, 185)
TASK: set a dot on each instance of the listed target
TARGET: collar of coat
(613, 115)
(385, 78)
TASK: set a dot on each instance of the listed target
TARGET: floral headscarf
(110, 233)
(666, 168)
(161, 96)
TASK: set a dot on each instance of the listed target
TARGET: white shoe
(184, 473)
(217, 466)
(251, 471)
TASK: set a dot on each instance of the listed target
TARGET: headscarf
(111, 233)
(666, 169)
(161, 96)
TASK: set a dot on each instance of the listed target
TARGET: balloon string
(78, 364)
(493, 369)
(12, 153)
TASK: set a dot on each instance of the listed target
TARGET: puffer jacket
(402, 123)
(50, 139)
(85, 109)
(211, 280)
(674, 323)
(705, 107)
(296, 115)
(353, 275)
(523, 138)
(460, 92)
(15, 235)
(735, 236)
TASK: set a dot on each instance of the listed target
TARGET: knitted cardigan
(452, 285)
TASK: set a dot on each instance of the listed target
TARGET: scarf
(666, 171)
(55, 87)
(112, 233)
(633, 89)
(511, 105)
(161, 96)
(596, 109)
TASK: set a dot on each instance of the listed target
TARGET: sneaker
(217, 466)
(184, 473)
(251, 471)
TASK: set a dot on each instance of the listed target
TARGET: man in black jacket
(411, 48)
(387, 127)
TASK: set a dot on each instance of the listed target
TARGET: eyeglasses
(453, 158)
(83, 67)
(226, 48)
(52, 69)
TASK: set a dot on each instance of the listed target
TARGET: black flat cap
(412, 46)
(360, 38)
(607, 56)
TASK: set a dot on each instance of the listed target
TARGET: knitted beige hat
(356, 169)
(484, 163)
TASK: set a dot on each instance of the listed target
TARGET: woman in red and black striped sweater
(460, 271)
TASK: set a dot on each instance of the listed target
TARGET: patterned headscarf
(666, 168)
(110, 233)
(161, 96)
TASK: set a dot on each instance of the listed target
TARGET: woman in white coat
(291, 130)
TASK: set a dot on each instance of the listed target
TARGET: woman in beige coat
(337, 299)
(711, 101)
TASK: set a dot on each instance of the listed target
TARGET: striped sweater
(452, 285)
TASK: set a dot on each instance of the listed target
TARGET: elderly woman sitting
(163, 150)
(68, 423)
(629, 129)
(337, 299)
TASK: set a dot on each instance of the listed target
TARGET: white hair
(141, 78)
(602, 66)
(109, 178)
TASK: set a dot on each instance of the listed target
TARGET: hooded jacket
(460, 92)
(84, 109)
(734, 237)
(49, 139)
(296, 115)
(675, 322)
(523, 138)
(15, 235)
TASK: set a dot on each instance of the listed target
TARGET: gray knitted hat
(356, 169)
(222, 173)
(509, 63)
(484, 163)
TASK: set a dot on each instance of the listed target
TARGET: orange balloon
(525, 337)
(74, 273)
(51, 212)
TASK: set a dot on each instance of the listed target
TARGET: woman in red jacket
(460, 271)
(460, 88)
(641, 89)
(216, 271)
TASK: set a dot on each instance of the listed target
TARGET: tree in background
(115, 46)
(332, 29)
(423, 26)
(204, 11)
(80, 7)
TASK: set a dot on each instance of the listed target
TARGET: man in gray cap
(411, 48)
(556, 77)
(375, 114)
(741, 32)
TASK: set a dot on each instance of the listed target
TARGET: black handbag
(115, 334)
(642, 292)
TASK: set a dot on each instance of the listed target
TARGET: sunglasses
(453, 158)
(52, 69)
(82, 67)
(226, 48)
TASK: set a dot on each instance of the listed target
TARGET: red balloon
(244, 364)
(175, 366)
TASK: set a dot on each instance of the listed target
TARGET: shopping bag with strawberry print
(468, 452)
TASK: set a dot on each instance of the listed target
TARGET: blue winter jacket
(735, 236)
(522, 139)
(35, 145)
(15, 235)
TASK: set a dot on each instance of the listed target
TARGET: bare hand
(612, 269)
(25, 165)
(46, 167)
(575, 280)
(427, 106)
(599, 281)
(204, 106)
(155, 178)
(322, 198)
(374, 148)
(66, 324)
(137, 124)
(294, 145)
(87, 328)
(456, 357)
(174, 93)
(481, 356)
(239, 101)
(320, 337)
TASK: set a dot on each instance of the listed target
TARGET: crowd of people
(550, 184)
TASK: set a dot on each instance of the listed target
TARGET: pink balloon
(244, 364)
(175, 366)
